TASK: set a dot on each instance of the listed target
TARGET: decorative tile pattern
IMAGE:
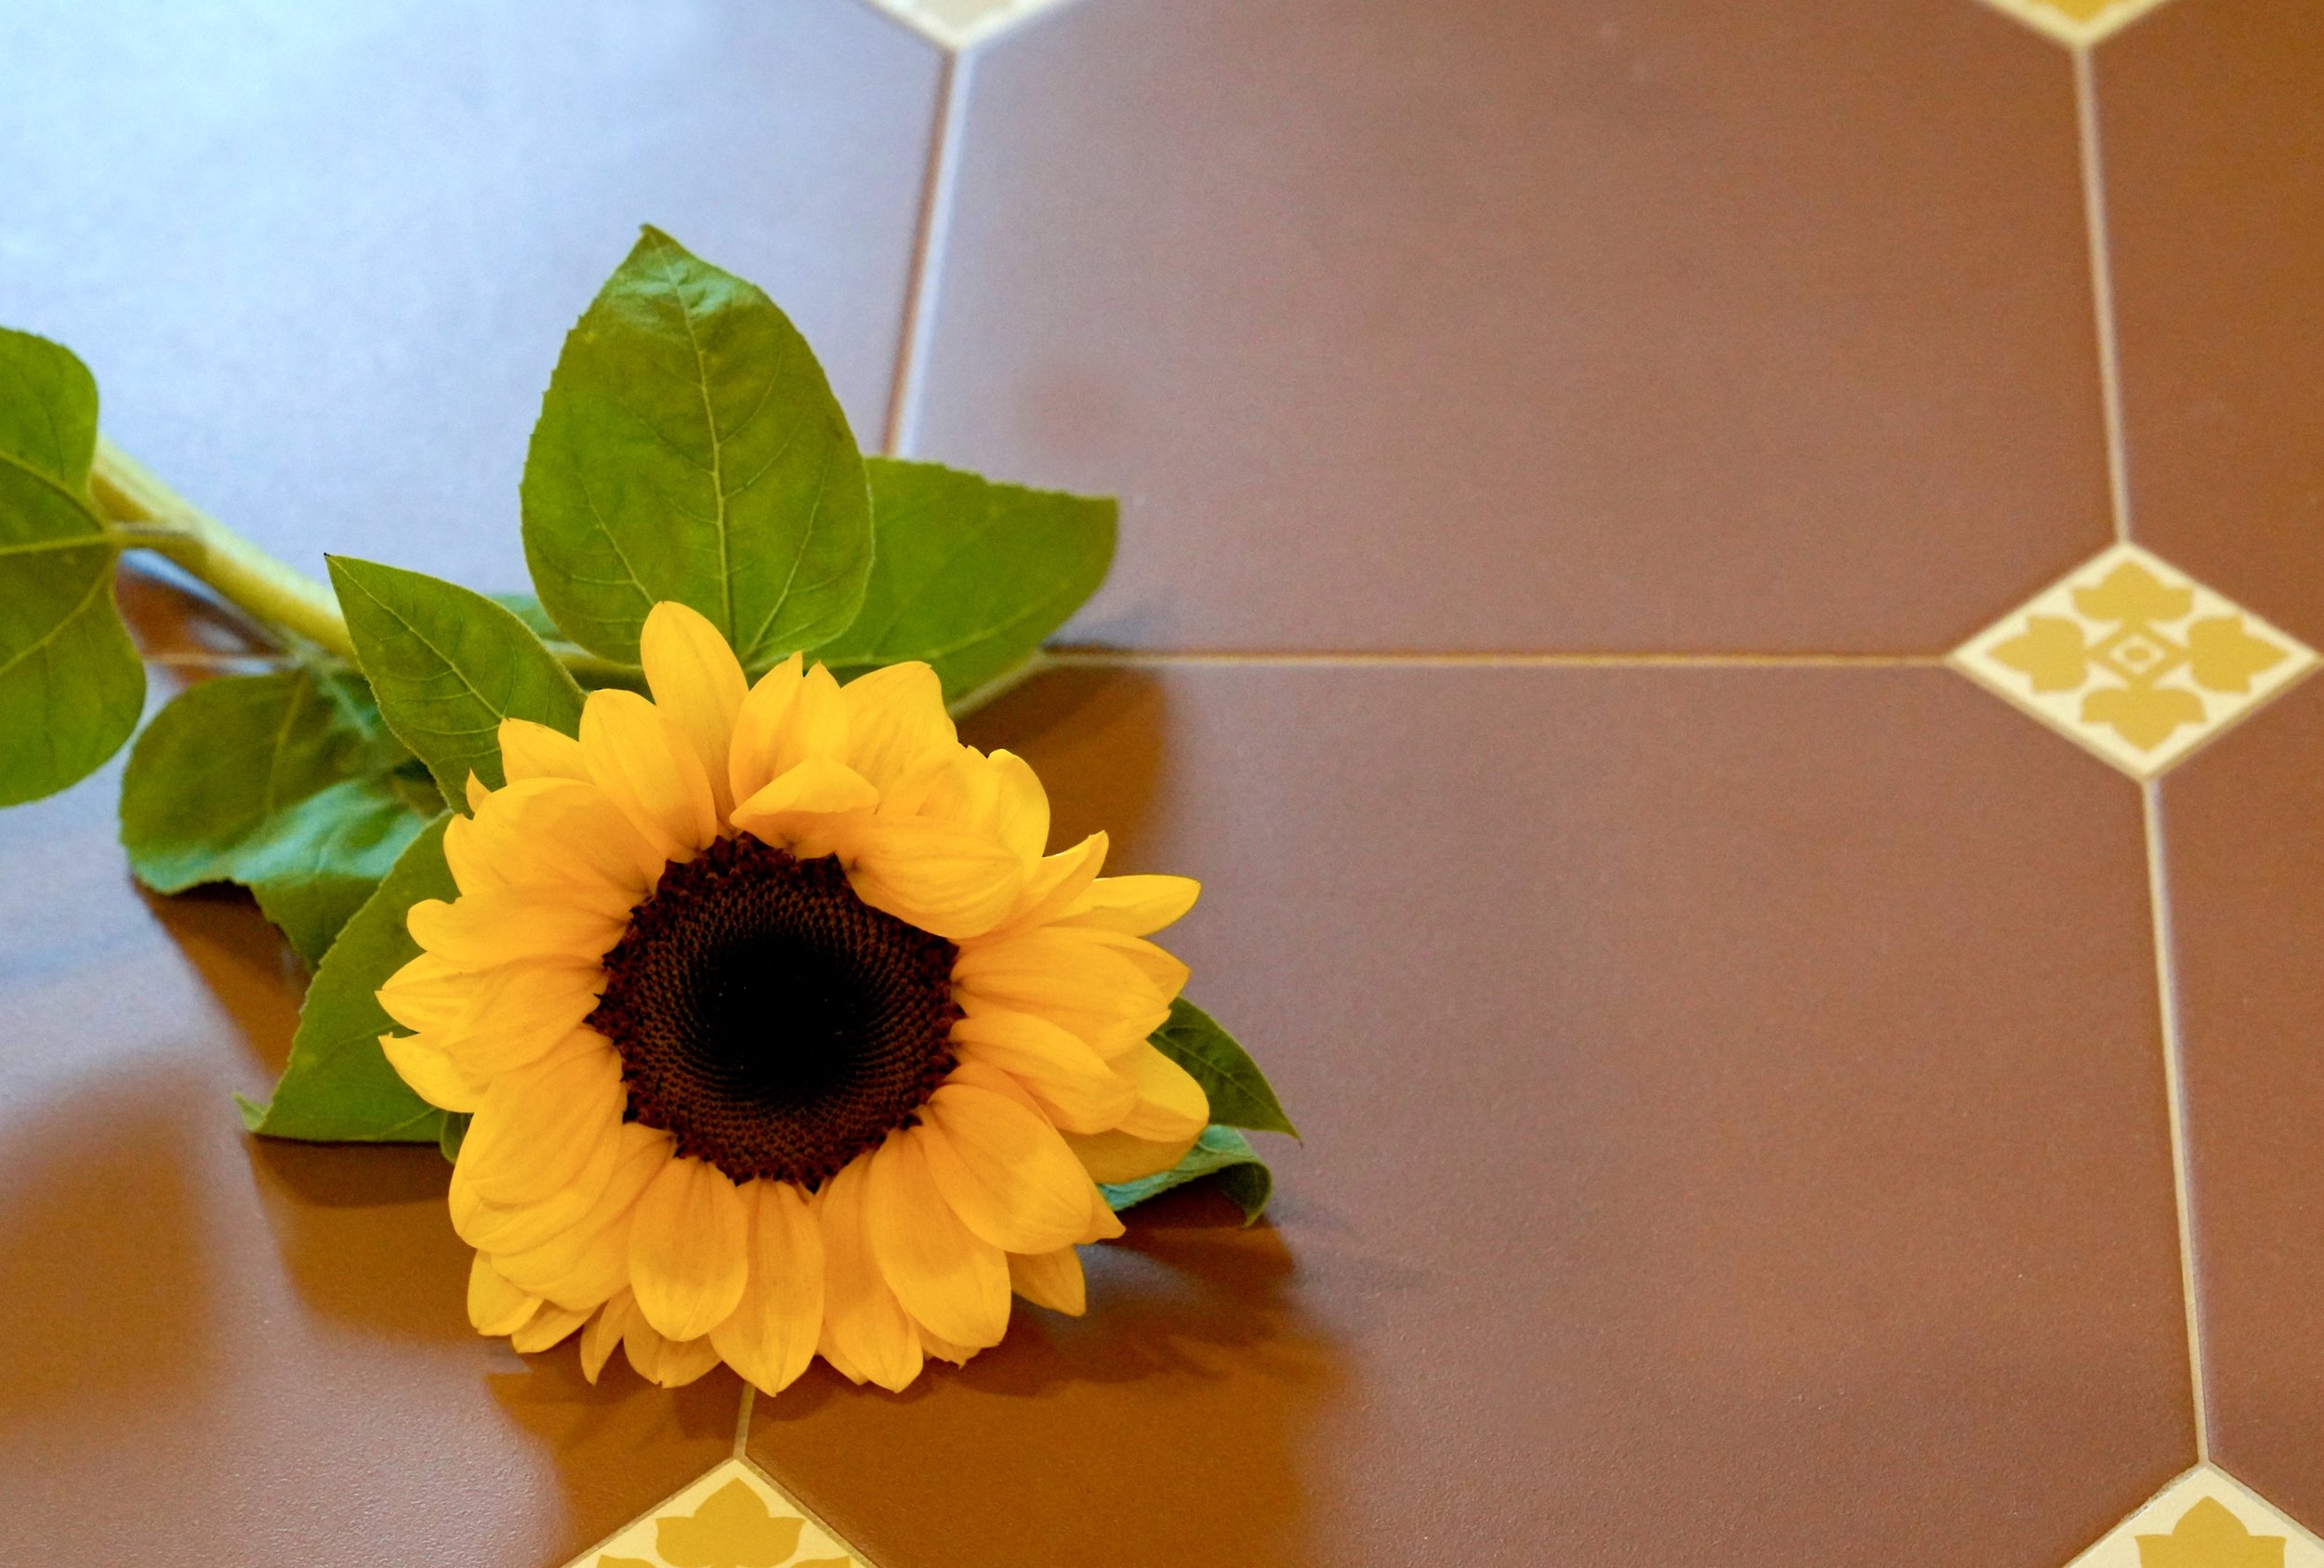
(2076, 21)
(2206, 1519)
(2135, 660)
(959, 23)
(731, 1518)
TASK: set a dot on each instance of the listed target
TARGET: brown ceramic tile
(2213, 130)
(322, 257)
(1736, 1133)
(2245, 849)
(1617, 325)
(220, 1349)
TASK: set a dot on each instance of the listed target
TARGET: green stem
(149, 515)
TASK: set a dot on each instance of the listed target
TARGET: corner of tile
(2206, 1519)
(733, 1513)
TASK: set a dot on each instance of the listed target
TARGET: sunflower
(779, 1032)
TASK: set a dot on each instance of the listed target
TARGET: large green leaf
(288, 783)
(71, 685)
(1240, 1095)
(1221, 1153)
(690, 448)
(338, 1086)
(447, 665)
(971, 576)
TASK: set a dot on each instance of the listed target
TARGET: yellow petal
(1050, 1279)
(423, 1063)
(538, 1129)
(551, 1325)
(672, 1364)
(478, 930)
(792, 812)
(1133, 905)
(771, 1336)
(1005, 1170)
(572, 1256)
(516, 1014)
(1171, 1103)
(428, 992)
(1116, 1156)
(936, 1348)
(643, 762)
(1020, 816)
(895, 717)
(688, 1242)
(1052, 885)
(1104, 1224)
(933, 875)
(1074, 1085)
(698, 683)
(954, 1284)
(495, 1306)
(476, 792)
(1067, 977)
(561, 835)
(535, 751)
(788, 716)
(866, 1332)
(603, 1333)
(1163, 969)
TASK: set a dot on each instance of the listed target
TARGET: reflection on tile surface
(2133, 659)
(322, 257)
(2206, 1519)
(1504, 324)
(731, 1518)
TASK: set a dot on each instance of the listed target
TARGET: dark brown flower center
(773, 1022)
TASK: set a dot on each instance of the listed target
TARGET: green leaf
(969, 575)
(447, 665)
(1221, 1153)
(286, 784)
(1240, 1095)
(690, 448)
(71, 685)
(338, 1087)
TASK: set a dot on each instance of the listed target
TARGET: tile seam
(742, 1421)
(2101, 285)
(2167, 998)
(927, 249)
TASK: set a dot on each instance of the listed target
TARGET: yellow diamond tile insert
(2206, 1519)
(734, 1516)
(959, 23)
(2134, 659)
(2076, 21)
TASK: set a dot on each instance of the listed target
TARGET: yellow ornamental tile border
(2134, 659)
(734, 1516)
(2206, 1519)
(956, 24)
(2076, 21)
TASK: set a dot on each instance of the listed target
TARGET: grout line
(1109, 658)
(928, 248)
(2102, 286)
(742, 1421)
(2167, 991)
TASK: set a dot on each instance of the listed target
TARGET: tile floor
(1721, 595)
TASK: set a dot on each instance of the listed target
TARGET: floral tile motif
(2206, 1519)
(2076, 21)
(731, 1518)
(2134, 659)
(959, 23)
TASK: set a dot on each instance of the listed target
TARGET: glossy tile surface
(2214, 130)
(2245, 835)
(1706, 1076)
(1511, 325)
(322, 257)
